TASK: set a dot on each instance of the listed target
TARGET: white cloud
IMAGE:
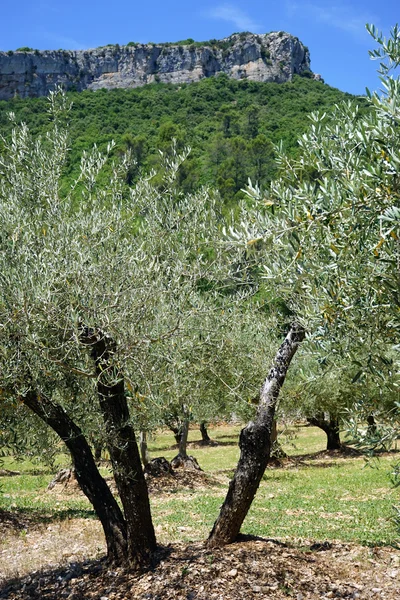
(64, 42)
(341, 16)
(235, 15)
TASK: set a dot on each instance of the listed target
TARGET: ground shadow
(52, 583)
(21, 518)
(30, 585)
(324, 459)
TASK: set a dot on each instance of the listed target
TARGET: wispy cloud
(48, 7)
(64, 42)
(340, 16)
(234, 14)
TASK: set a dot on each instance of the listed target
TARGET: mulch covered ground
(249, 569)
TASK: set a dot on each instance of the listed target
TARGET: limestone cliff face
(269, 57)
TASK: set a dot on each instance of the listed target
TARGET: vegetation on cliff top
(230, 125)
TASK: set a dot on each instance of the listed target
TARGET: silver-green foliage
(141, 265)
(329, 225)
(327, 233)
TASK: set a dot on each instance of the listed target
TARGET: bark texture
(372, 428)
(330, 426)
(205, 438)
(177, 431)
(183, 439)
(144, 450)
(255, 447)
(123, 449)
(98, 448)
(182, 459)
(91, 482)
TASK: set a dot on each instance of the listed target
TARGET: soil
(250, 569)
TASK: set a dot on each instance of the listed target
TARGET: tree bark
(274, 431)
(372, 428)
(255, 447)
(91, 482)
(182, 448)
(123, 449)
(144, 451)
(176, 430)
(98, 448)
(330, 427)
(204, 433)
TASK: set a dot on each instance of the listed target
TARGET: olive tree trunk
(182, 446)
(330, 426)
(123, 449)
(87, 474)
(205, 438)
(98, 448)
(144, 450)
(255, 447)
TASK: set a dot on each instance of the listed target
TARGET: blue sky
(334, 31)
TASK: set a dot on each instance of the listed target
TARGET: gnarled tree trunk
(173, 421)
(182, 459)
(205, 438)
(91, 482)
(123, 449)
(372, 428)
(98, 448)
(330, 426)
(255, 447)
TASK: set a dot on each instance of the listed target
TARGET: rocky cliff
(269, 57)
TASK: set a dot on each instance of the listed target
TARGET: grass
(211, 458)
(318, 497)
(343, 502)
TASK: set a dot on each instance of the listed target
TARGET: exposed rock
(269, 57)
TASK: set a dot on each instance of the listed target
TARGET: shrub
(265, 54)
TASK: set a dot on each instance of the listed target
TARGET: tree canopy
(230, 125)
(327, 233)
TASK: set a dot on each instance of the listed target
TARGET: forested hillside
(230, 125)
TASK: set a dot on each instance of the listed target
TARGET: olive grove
(118, 301)
(96, 285)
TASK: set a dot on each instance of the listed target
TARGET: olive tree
(217, 375)
(327, 235)
(94, 284)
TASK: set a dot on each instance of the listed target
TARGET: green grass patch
(316, 496)
(343, 502)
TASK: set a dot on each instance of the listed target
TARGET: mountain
(273, 57)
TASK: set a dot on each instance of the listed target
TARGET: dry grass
(48, 546)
